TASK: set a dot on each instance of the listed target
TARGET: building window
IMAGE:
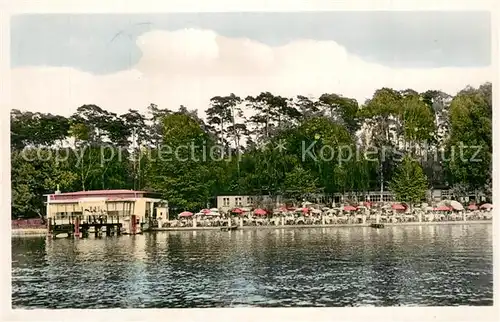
(238, 201)
(387, 198)
(225, 202)
(249, 200)
(446, 194)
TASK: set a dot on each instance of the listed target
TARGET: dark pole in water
(77, 227)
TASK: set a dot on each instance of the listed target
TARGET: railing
(328, 219)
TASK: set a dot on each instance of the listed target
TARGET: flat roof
(100, 192)
(106, 194)
(79, 200)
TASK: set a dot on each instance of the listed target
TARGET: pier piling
(77, 227)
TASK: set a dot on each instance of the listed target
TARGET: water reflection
(412, 265)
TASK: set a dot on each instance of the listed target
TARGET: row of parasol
(447, 205)
(204, 212)
(215, 212)
(450, 205)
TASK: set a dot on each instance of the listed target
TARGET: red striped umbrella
(237, 211)
(472, 207)
(259, 211)
(350, 208)
(398, 206)
(185, 214)
(442, 208)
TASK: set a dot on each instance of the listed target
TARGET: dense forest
(404, 141)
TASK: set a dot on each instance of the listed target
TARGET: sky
(122, 62)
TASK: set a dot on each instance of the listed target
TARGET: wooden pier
(228, 228)
(84, 230)
(101, 212)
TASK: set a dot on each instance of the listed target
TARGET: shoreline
(29, 232)
(425, 223)
(40, 232)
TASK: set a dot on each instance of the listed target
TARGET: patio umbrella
(398, 206)
(443, 203)
(205, 211)
(325, 208)
(259, 211)
(214, 210)
(350, 208)
(442, 208)
(486, 206)
(316, 211)
(306, 203)
(185, 214)
(456, 205)
(472, 207)
(367, 204)
(237, 211)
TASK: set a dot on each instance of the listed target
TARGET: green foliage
(180, 170)
(36, 129)
(263, 144)
(344, 109)
(299, 182)
(409, 182)
(34, 173)
(418, 120)
(469, 146)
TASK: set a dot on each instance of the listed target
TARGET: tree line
(264, 144)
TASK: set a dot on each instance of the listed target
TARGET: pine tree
(409, 183)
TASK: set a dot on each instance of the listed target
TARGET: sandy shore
(458, 222)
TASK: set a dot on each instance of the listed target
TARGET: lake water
(414, 265)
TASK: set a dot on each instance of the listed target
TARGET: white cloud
(189, 67)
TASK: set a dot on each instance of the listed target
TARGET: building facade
(131, 208)
(229, 202)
